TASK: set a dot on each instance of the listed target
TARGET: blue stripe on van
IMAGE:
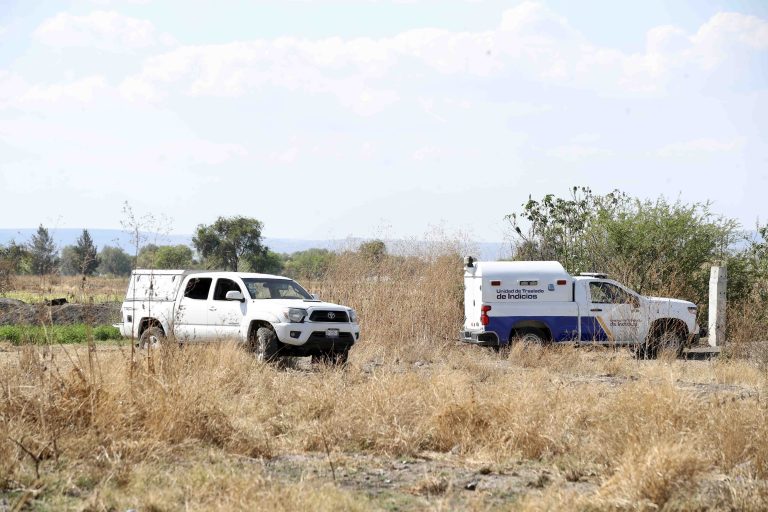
(563, 328)
(591, 330)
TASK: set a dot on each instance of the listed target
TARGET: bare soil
(13, 312)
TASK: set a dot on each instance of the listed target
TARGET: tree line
(233, 243)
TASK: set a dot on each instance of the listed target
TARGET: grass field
(416, 421)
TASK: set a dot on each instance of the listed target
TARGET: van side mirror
(234, 295)
(314, 296)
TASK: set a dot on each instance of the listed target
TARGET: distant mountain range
(122, 239)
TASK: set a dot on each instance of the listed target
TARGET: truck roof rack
(596, 275)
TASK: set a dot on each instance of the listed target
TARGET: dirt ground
(17, 312)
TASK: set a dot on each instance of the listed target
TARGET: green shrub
(70, 334)
(66, 334)
(10, 333)
(106, 332)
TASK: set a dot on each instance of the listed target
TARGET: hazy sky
(375, 118)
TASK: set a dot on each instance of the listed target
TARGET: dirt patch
(13, 312)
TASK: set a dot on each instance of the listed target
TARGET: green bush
(66, 334)
(10, 333)
(70, 334)
(106, 332)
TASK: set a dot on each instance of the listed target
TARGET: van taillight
(484, 309)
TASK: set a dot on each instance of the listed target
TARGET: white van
(538, 301)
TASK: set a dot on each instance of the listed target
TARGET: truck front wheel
(672, 341)
(266, 345)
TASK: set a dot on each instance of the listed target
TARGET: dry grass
(113, 422)
(209, 428)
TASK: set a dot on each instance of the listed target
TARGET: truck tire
(528, 335)
(152, 337)
(672, 340)
(644, 350)
(266, 345)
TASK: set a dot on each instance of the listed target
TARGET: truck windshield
(260, 288)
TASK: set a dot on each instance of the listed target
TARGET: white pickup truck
(538, 301)
(273, 315)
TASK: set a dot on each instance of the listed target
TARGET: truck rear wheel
(266, 345)
(529, 335)
(152, 337)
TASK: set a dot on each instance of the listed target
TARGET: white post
(718, 278)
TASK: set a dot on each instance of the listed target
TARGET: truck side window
(607, 293)
(222, 287)
(197, 288)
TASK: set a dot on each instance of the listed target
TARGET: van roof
(539, 269)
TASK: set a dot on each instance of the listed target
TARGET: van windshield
(259, 288)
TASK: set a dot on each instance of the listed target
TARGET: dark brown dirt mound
(17, 312)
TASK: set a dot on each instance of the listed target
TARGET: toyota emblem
(331, 315)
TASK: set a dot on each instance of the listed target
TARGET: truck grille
(328, 316)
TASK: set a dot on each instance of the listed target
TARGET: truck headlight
(353, 316)
(295, 315)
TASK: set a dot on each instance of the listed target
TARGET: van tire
(152, 337)
(528, 335)
(266, 345)
(672, 340)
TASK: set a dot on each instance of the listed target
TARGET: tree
(147, 256)
(230, 243)
(309, 264)
(87, 254)
(13, 259)
(654, 246)
(43, 252)
(68, 263)
(174, 257)
(114, 261)
(268, 263)
(373, 251)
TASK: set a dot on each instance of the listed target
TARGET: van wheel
(266, 345)
(671, 341)
(152, 337)
(529, 335)
(645, 350)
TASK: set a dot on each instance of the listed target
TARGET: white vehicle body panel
(192, 306)
(579, 309)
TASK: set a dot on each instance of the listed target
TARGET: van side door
(225, 316)
(190, 322)
(613, 314)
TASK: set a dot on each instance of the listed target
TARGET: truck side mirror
(234, 295)
(314, 296)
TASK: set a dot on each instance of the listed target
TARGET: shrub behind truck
(538, 301)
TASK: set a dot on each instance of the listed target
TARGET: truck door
(225, 316)
(613, 314)
(190, 321)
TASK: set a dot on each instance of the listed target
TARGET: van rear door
(472, 301)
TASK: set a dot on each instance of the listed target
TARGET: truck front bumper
(316, 338)
(482, 338)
